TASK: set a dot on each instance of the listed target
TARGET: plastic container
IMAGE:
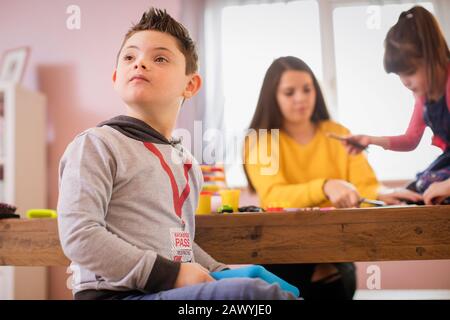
(231, 198)
(204, 203)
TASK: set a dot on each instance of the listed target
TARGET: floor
(402, 295)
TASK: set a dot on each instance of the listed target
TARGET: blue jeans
(225, 289)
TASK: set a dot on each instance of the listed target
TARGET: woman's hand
(437, 192)
(341, 193)
(190, 274)
(398, 196)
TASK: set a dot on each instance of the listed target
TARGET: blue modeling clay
(256, 272)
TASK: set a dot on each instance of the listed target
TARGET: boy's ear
(114, 76)
(193, 86)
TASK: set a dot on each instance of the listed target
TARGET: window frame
(326, 24)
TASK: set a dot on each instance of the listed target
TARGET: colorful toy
(7, 211)
(292, 209)
(327, 208)
(214, 177)
(256, 271)
(274, 209)
(41, 213)
(210, 188)
(277, 206)
(251, 209)
(225, 209)
(209, 178)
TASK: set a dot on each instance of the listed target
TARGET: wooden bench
(372, 234)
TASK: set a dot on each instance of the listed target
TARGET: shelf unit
(23, 176)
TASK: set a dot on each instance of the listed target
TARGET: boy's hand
(341, 193)
(437, 192)
(190, 274)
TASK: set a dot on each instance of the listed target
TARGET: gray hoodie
(122, 188)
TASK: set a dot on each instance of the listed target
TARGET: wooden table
(372, 234)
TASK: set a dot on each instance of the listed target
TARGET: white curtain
(203, 19)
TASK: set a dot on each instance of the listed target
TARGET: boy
(128, 192)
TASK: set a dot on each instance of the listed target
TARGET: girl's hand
(437, 192)
(190, 274)
(398, 196)
(356, 143)
(341, 193)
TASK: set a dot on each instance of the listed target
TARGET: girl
(415, 49)
(313, 169)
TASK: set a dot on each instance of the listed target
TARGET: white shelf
(24, 183)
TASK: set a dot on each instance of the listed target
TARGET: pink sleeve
(410, 140)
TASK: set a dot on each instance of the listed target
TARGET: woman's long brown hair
(267, 113)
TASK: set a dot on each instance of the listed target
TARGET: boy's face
(151, 71)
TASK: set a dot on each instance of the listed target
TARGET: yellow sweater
(303, 169)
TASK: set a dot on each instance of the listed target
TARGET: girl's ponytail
(416, 36)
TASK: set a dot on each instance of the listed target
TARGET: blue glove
(256, 271)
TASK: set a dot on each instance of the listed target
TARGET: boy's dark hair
(416, 37)
(159, 20)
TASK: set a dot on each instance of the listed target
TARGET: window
(369, 100)
(347, 60)
(252, 37)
